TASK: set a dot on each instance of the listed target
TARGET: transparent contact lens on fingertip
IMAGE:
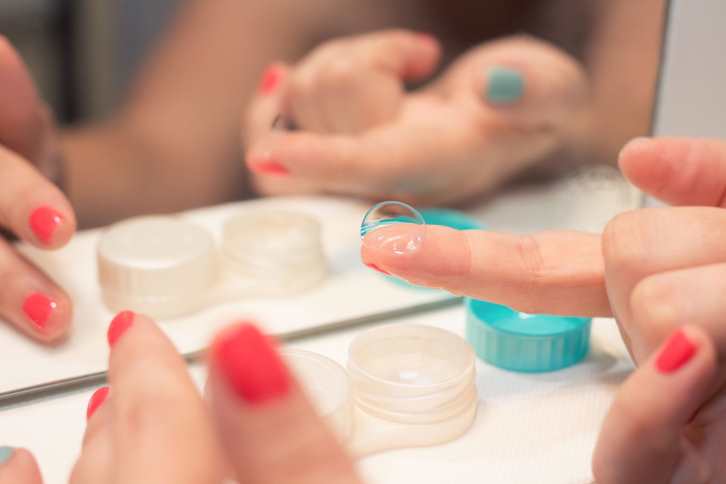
(388, 213)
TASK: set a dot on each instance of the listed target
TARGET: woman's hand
(654, 270)
(31, 206)
(496, 111)
(151, 424)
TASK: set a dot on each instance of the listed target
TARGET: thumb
(271, 431)
(641, 439)
(18, 466)
(525, 81)
(24, 120)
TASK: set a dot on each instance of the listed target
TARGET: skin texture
(655, 270)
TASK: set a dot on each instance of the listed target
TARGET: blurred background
(82, 53)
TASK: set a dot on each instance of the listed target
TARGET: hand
(153, 426)
(31, 207)
(498, 110)
(654, 270)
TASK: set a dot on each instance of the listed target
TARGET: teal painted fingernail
(5, 454)
(504, 86)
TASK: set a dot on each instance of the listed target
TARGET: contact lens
(389, 213)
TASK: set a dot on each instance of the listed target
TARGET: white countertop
(530, 428)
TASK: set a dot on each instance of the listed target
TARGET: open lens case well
(405, 386)
(167, 267)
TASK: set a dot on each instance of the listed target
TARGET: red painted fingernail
(270, 168)
(270, 79)
(97, 399)
(676, 353)
(376, 268)
(251, 365)
(119, 325)
(43, 222)
(38, 308)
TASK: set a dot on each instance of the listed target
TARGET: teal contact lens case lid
(530, 343)
(450, 218)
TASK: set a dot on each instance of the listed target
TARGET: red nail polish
(676, 353)
(38, 308)
(270, 79)
(119, 325)
(250, 364)
(43, 222)
(97, 399)
(376, 268)
(270, 168)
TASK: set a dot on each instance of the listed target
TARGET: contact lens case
(530, 343)
(405, 386)
(167, 267)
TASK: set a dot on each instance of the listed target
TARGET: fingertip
(50, 227)
(96, 401)
(530, 80)
(250, 364)
(426, 57)
(49, 316)
(428, 255)
(686, 344)
(19, 466)
(636, 159)
(119, 325)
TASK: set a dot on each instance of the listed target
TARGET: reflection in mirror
(513, 111)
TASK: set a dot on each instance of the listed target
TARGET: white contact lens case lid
(156, 265)
(406, 386)
(167, 267)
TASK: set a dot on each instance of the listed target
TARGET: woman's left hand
(499, 109)
(655, 270)
(153, 426)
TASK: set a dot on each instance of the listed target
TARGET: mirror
(567, 177)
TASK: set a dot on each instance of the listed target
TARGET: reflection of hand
(153, 426)
(30, 205)
(654, 270)
(497, 110)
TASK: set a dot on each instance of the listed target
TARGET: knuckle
(532, 263)
(623, 246)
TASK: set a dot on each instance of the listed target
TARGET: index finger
(162, 432)
(31, 206)
(549, 272)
